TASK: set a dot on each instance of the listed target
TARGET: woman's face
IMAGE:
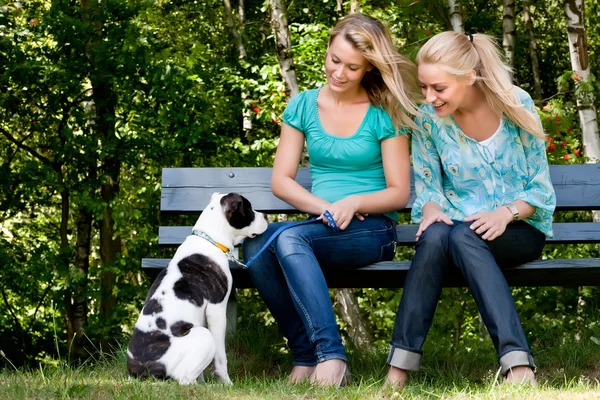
(444, 90)
(344, 66)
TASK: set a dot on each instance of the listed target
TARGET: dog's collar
(204, 236)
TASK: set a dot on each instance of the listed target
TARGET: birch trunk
(578, 49)
(237, 30)
(508, 31)
(355, 6)
(456, 18)
(535, 66)
(279, 24)
(357, 327)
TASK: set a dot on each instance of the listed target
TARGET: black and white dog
(170, 337)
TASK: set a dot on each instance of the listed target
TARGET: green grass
(259, 364)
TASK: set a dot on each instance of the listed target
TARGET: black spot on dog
(181, 328)
(156, 284)
(143, 370)
(152, 307)
(145, 349)
(202, 279)
(238, 210)
(161, 323)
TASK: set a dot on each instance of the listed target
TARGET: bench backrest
(188, 190)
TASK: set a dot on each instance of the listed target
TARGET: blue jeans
(439, 251)
(289, 277)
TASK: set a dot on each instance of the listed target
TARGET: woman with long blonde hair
(484, 197)
(355, 128)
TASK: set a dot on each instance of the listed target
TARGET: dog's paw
(223, 378)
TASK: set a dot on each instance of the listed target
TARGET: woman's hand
(432, 214)
(343, 211)
(490, 224)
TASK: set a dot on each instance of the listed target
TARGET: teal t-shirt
(341, 166)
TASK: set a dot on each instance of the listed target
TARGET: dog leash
(330, 222)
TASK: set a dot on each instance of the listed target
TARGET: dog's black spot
(161, 323)
(181, 328)
(202, 279)
(144, 369)
(163, 292)
(152, 307)
(145, 349)
(238, 210)
(156, 284)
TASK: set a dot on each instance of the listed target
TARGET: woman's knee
(462, 235)
(436, 235)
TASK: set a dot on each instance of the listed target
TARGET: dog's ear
(232, 203)
(237, 210)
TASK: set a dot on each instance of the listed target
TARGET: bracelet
(514, 211)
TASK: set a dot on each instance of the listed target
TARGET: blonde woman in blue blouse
(484, 197)
(355, 131)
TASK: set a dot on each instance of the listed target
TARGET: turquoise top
(341, 166)
(452, 169)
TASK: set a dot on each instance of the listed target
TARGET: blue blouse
(456, 172)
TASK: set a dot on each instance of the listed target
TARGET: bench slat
(189, 189)
(391, 274)
(564, 233)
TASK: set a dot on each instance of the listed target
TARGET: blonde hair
(460, 54)
(391, 84)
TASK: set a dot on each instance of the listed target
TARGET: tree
(508, 31)
(578, 49)
(237, 31)
(533, 53)
(279, 24)
(456, 18)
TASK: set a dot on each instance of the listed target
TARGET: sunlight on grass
(259, 370)
(107, 379)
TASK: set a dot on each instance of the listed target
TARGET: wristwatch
(515, 212)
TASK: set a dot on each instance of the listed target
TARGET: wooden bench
(187, 190)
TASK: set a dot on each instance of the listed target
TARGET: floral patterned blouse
(464, 177)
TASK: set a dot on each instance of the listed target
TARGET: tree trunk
(357, 327)
(104, 101)
(283, 44)
(237, 30)
(574, 10)
(508, 31)
(355, 6)
(456, 18)
(535, 67)
(110, 243)
(77, 302)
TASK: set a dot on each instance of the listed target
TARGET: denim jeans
(440, 250)
(289, 277)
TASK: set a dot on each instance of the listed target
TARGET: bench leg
(232, 312)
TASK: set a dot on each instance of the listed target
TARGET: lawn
(259, 366)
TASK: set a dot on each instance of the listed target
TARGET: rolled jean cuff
(516, 358)
(404, 359)
(304, 364)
